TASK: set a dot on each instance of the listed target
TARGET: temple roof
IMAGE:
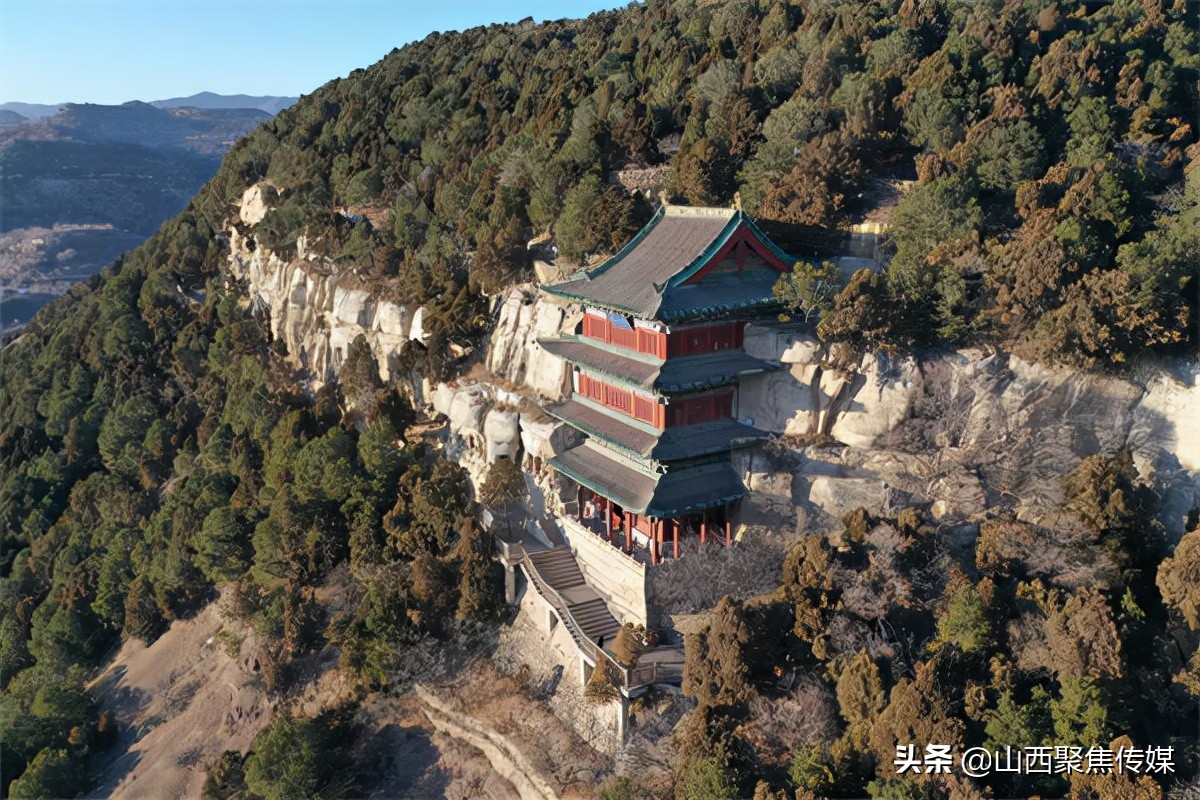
(673, 494)
(679, 374)
(657, 275)
(673, 444)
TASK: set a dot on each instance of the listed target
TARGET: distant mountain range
(81, 185)
(205, 131)
(270, 104)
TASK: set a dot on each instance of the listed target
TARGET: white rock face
(513, 354)
(880, 398)
(1169, 414)
(544, 437)
(256, 202)
(781, 402)
(840, 496)
(502, 434)
(785, 401)
(805, 396)
(314, 314)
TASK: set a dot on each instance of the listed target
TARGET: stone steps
(588, 611)
(558, 568)
(595, 619)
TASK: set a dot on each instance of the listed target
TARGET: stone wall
(550, 654)
(506, 758)
(619, 578)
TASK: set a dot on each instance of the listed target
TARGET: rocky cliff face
(513, 354)
(967, 432)
(498, 416)
(963, 432)
(314, 309)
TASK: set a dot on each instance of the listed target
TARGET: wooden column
(728, 532)
(675, 537)
(579, 501)
(704, 526)
(655, 535)
(628, 532)
(608, 512)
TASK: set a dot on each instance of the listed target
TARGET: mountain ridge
(160, 441)
(271, 104)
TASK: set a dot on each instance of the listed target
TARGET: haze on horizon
(114, 51)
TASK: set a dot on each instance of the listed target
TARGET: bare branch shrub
(778, 727)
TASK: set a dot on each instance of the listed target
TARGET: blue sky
(110, 51)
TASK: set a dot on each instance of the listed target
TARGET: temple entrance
(659, 538)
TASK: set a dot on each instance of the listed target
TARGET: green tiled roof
(677, 492)
(680, 374)
(674, 444)
(644, 276)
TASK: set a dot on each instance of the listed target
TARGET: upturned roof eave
(595, 433)
(595, 303)
(726, 379)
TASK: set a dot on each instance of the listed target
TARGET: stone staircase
(587, 616)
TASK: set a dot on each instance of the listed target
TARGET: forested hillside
(156, 448)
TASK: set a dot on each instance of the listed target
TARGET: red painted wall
(628, 402)
(706, 339)
(680, 411)
(685, 342)
(703, 408)
(640, 340)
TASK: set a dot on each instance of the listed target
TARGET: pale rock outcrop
(780, 402)
(808, 396)
(975, 429)
(789, 400)
(958, 494)
(839, 496)
(502, 434)
(770, 501)
(487, 422)
(1168, 417)
(315, 313)
(544, 437)
(880, 398)
(256, 202)
(781, 344)
(416, 331)
(513, 353)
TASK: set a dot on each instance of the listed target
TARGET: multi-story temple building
(655, 374)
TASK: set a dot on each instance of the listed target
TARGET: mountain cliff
(228, 405)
